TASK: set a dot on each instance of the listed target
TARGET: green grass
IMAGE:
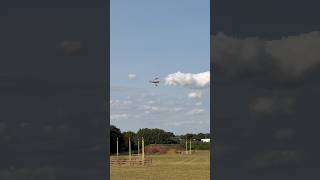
(167, 167)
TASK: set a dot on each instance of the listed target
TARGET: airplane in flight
(155, 81)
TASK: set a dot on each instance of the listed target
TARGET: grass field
(167, 167)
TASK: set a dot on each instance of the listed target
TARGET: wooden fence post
(138, 147)
(142, 148)
(117, 147)
(129, 149)
(186, 146)
(190, 147)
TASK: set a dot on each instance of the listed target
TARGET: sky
(165, 39)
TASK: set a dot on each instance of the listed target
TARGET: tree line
(196, 137)
(151, 136)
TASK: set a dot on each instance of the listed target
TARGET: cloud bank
(149, 109)
(195, 81)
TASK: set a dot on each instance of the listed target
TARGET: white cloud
(195, 111)
(115, 103)
(195, 94)
(151, 102)
(132, 76)
(200, 80)
(153, 108)
(118, 116)
(177, 109)
(148, 95)
(150, 109)
(127, 102)
(189, 122)
(198, 104)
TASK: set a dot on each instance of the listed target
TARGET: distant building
(205, 140)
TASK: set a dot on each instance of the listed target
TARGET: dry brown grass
(167, 167)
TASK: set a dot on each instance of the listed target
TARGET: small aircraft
(155, 81)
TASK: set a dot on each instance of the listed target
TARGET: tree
(114, 134)
(133, 139)
(197, 137)
(156, 136)
(201, 136)
(189, 136)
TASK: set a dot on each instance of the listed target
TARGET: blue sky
(158, 38)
